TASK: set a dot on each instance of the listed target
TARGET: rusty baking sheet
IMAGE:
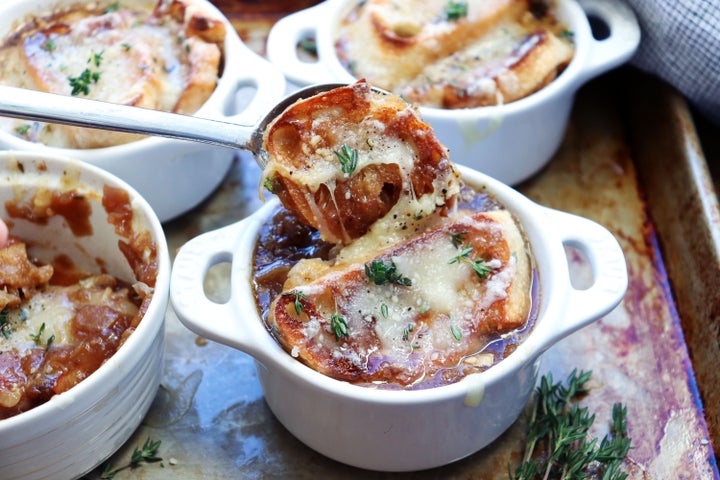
(629, 163)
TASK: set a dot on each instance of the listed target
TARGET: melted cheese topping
(132, 56)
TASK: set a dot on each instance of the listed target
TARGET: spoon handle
(81, 112)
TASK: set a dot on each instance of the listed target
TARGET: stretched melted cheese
(406, 333)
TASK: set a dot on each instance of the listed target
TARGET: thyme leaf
(458, 239)
(348, 159)
(5, 328)
(558, 445)
(478, 265)
(23, 129)
(456, 9)
(37, 337)
(339, 326)
(297, 300)
(145, 454)
(456, 332)
(380, 273)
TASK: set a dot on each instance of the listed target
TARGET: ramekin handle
(606, 258)
(282, 45)
(214, 321)
(622, 40)
(269, 83)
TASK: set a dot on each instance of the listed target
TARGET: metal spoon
(81, 112)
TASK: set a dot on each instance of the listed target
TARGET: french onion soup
(381, 268)
(58, 324)
(163, 56)
(455, 53)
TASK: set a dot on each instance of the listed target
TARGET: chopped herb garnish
(298, 304)
(407, 331)
(82, 83)
(458, 239)
(381, 273)
(23, 129)
(567, 35)
(126, 46)
(348, 159)
(455, 9)
(96, 58)
(113, 7)
(50, 341)
(49, 45)
(268, 184)
(384, 310)
(339, 326)
(557, 436)
(37, 338)
(5, 328)
(478, 265)
(146, 454)
(456, 332)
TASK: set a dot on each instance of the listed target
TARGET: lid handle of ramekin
(283, 40)
(610, 277)
(225, 323)
(621, 42)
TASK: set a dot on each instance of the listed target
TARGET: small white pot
(174, 176)
(75, 431)
(508, 142)
(399, 430)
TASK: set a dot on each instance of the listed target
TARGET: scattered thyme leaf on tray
(145, 454)
(558, 445)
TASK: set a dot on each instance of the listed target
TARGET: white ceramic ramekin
(75, 431)
(508, 142)
(172, 175)
(399, 430)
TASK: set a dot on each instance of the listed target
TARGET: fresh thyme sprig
(478, 265)
(380, 273)
(558, 446)
(298, 296)
(348, 159)
(339, 326)
(146, 454)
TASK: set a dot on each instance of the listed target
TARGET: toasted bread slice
(344, 159)
(417, 308)
(508, 65)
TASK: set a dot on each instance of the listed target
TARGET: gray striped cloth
(681, 44)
